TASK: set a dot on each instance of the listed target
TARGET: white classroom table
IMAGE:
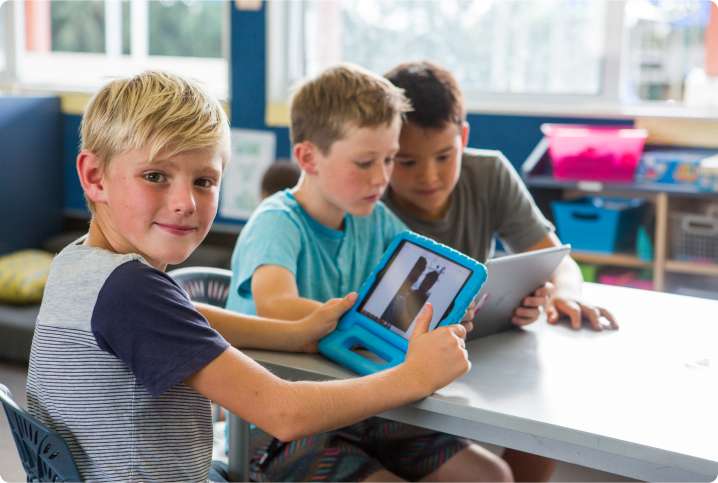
(640, 402)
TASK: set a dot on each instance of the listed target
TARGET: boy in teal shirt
(324, 237)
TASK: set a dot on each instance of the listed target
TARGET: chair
(211, 286)
(44, 454)
(204, 284)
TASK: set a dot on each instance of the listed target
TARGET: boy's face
(353, 175)
(427, 168)
(161, 209)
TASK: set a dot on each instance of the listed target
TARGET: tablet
(510, 279)
(412, 272)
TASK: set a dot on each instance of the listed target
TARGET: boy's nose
(183, 200)
(381, 175)
(430, 173)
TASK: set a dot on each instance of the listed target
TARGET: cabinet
(664, 199)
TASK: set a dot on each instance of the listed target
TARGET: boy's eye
(155, 177)
(389, 160)
(442, 158)
(406, 162)
(363, 164)
(205, 182)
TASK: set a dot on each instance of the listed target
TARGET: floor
(13, 376)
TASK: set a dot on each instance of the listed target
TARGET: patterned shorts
(353, 453)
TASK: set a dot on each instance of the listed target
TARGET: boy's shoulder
(77, 275)
(86, 262)
(484, 166)
(483, 159)
(276, 212)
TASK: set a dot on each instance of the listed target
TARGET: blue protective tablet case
(356, 330)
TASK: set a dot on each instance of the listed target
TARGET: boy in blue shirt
(323, 238)
(123, 366)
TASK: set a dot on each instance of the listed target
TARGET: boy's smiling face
(353, 175)
(161, 209)
(427, 168)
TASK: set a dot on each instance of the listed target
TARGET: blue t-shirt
(326, 263)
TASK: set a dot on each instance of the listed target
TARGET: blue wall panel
(31, 181)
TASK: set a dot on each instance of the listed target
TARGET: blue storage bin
(598, 224)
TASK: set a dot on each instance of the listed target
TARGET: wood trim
(699, 133)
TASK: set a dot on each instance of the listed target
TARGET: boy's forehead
(381, 135)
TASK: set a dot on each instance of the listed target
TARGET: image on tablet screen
(413, 277)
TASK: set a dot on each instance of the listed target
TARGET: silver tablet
(511, 278)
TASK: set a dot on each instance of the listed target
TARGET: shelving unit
(545, 189)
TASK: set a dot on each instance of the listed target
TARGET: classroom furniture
(640, 401)
(207, 285)
(211, 286)
(43, 452)
(663, 198)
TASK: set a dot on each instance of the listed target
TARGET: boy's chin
(362, 210)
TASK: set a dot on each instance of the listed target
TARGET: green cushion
(23, 275)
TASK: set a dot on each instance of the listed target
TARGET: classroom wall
(515, 135)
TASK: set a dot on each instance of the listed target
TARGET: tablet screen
(412, 277)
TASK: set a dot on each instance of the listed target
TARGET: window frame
(58, 71)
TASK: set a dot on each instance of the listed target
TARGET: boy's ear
(306, 155)
(464, 134)
(89, 170)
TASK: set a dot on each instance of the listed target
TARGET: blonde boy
(322, 239)
(123, 366)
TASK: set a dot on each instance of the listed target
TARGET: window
(665, 46)
(548, 51)
(79, 44)
(3, 61)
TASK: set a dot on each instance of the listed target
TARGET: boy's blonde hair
(158, 110)
(323, 107)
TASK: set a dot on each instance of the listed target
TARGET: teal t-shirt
(326, 263)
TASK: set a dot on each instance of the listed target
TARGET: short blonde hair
(323, 107)
(158, 110)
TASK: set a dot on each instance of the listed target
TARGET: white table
(641, 401)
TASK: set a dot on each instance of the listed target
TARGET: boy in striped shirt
(123, 366)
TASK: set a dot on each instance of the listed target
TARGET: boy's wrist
(418, 386)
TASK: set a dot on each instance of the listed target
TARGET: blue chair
(204, 284)
(44, 454)
(211, 286)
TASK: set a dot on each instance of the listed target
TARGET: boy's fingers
(423, 319)
(336, 307)
(459, 330)
(611, 319)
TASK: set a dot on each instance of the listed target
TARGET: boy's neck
(318, 207)
(96, 238)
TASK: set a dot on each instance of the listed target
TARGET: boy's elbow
(289, 425)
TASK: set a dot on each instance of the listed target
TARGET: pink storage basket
(600, 153)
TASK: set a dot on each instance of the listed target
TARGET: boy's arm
(250, 332)
(275, 294)
(290, 410)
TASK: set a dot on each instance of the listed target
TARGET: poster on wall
(252, 153)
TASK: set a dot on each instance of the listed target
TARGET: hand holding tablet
(414, 271)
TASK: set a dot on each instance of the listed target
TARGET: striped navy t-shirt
(114, 341)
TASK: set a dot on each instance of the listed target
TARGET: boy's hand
(468, 320)
(436, 358)
(322, 321)
(530, 309)
(576, 310)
